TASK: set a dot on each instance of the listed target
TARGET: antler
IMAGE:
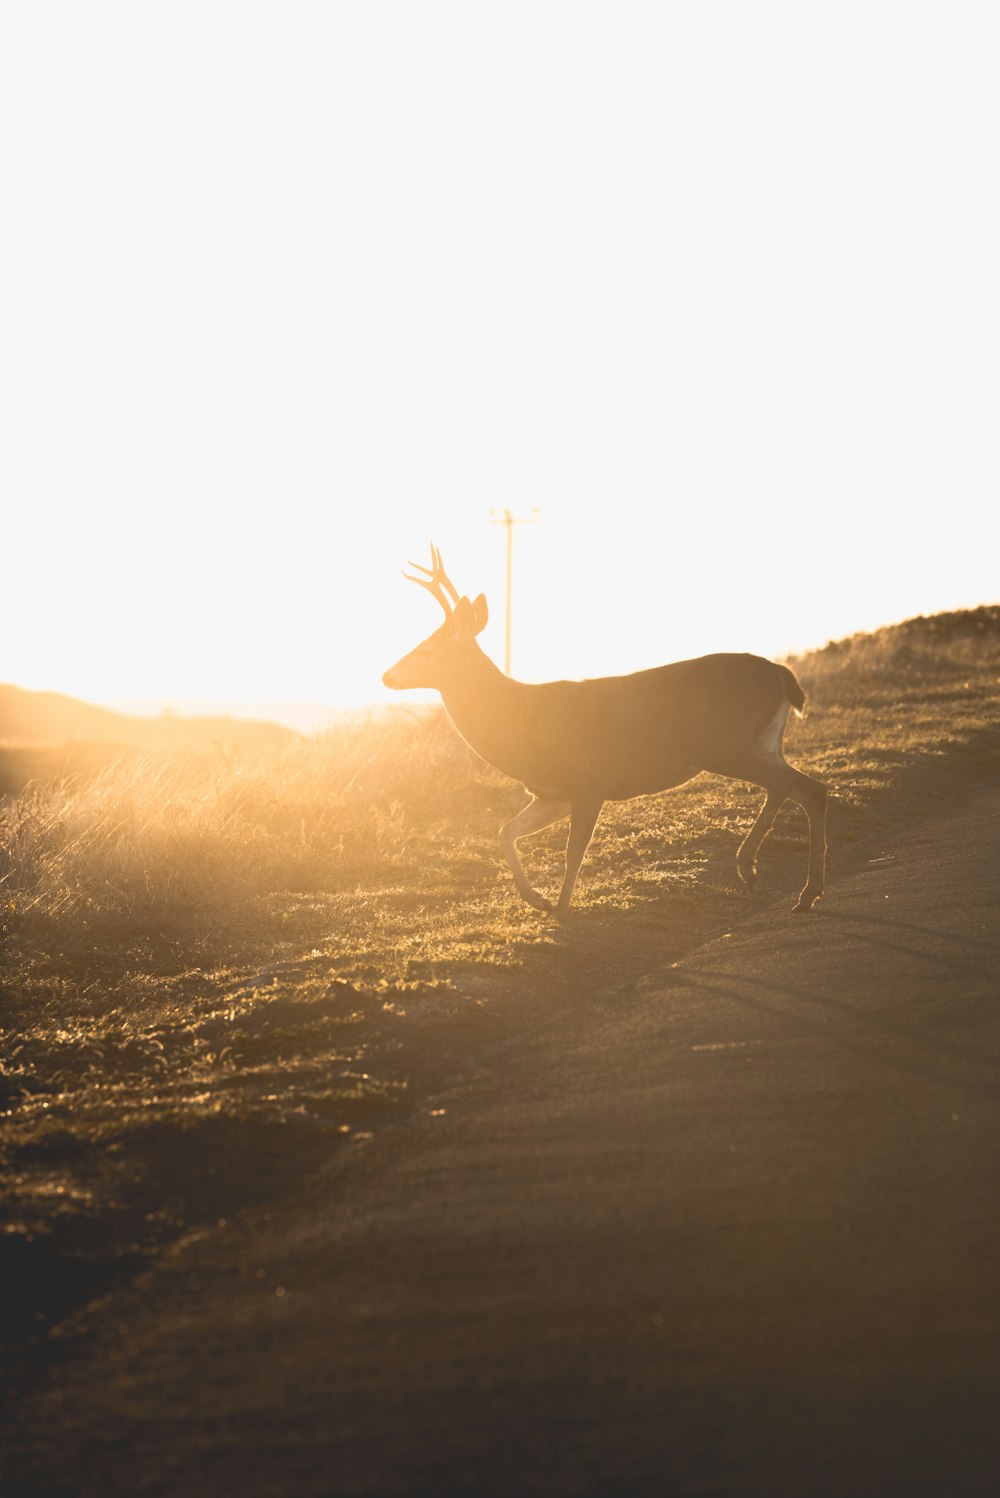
(440, 583)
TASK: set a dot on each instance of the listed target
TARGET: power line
(508, 521)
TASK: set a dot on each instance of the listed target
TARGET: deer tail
(793, 691)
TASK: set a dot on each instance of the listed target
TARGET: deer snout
(409, 671)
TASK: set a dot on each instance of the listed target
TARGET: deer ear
(463, 620)
(481, 612)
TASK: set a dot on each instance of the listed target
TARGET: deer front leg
(581, 830)
(540, 812)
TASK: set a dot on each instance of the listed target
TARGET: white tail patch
(770, 740)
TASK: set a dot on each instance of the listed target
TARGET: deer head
(437, 659)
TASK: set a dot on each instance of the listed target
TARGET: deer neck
(481, 702)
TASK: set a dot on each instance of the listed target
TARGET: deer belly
(585, 762)
(630, 784)
(620, 784)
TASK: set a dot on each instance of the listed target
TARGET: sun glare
(714, 290)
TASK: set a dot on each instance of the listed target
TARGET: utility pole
(508, 521)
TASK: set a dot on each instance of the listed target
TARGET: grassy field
(218, 970)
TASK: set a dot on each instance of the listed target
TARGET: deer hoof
(539, 901)
(805, 903)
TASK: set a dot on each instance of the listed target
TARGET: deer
(576, 744)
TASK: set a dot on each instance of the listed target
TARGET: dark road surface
(738, 1234)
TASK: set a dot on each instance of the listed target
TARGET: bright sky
(290, 289)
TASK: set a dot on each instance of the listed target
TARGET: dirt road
(738, 1233)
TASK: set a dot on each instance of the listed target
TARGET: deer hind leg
(746, 856)
(782, 782)
(581, 830)
(540, 812)
(811, 795)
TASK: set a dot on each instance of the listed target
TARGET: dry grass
(185, 842)
(217, 971)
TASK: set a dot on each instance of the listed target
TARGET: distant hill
(46, 733)
(46, 717)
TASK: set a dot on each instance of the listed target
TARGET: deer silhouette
(577, 744)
